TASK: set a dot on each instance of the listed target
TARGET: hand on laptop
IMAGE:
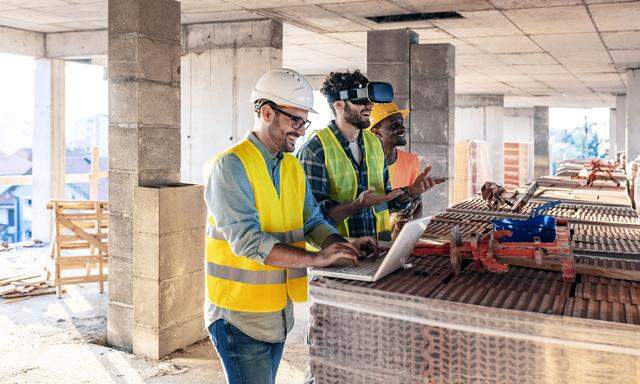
(367, 246)
(336, 253)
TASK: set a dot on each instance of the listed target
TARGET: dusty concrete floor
(48, 340)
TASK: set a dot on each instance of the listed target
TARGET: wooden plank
(9, 280)
(9, 301)
(82, 234)
(35, 292)
(80, 279)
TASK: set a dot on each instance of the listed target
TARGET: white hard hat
(284, 87)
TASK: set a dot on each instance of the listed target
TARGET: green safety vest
(343, 180)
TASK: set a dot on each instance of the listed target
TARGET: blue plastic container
(537, 226)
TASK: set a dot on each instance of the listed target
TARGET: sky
(86, 96)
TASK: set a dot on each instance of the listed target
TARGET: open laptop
(374, 270)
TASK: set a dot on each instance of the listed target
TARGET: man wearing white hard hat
(260, 212)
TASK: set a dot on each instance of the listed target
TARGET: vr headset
(373, 92)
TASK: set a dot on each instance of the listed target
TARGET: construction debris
(24, 287)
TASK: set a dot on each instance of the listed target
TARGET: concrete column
(422, 76)
(621, 123)
(221, 65)
(389, 59)
(432, 117)
(144, 133)
(633, 113)
(541, 141)
(48, 143)
(613, 148)
(482, 118)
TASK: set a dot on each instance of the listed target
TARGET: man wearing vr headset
(345, 162)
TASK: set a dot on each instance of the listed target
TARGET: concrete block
(120, 236)
(158, 148)
(441, 157)
(134, 57)
(432, 93)
(431, 126)
(153, 18)
(156, 344)
(121, 185)
(154, 104)
(169, 255)
(123, 145)
(390, 45)
(120, 280)
(123, 102)
(438, 155)
(432, 60)
(159, 104)
(169, 209)
(120, 325)
(146, 302)
(181, 298)
(159, 61)
(155, 177)
(397, 74)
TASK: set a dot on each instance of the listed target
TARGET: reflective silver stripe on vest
(295, 273)
(244, 276)
(289, 237)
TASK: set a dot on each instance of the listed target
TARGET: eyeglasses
(297, 123)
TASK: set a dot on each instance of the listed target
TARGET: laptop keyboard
(364, 268)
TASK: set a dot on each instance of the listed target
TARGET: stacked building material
(516, 164)
(424, 324)
(576, 213)
(473, 168)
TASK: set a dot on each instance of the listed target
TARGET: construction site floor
(50, 340)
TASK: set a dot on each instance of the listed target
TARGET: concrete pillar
(541, 141)
(221, 65)
(144, 133)
(621, 123)
(482, 118)
(633, 113)
(389, 59)
(613, 148)
(168, 284)
(432, 117)
(423, 79)
(48, 143)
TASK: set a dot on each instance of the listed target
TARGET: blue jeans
(245, 360)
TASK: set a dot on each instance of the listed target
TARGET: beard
(354, 118)
(285, 141)
(401, 141)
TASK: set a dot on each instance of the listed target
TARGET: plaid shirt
(311, 155)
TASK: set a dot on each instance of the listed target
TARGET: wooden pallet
(79, 243)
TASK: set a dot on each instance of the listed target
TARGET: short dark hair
(339, 81)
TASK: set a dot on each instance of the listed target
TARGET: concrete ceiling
(543, 52)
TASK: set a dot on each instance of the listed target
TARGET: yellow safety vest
(239, 283)
(343, 180)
